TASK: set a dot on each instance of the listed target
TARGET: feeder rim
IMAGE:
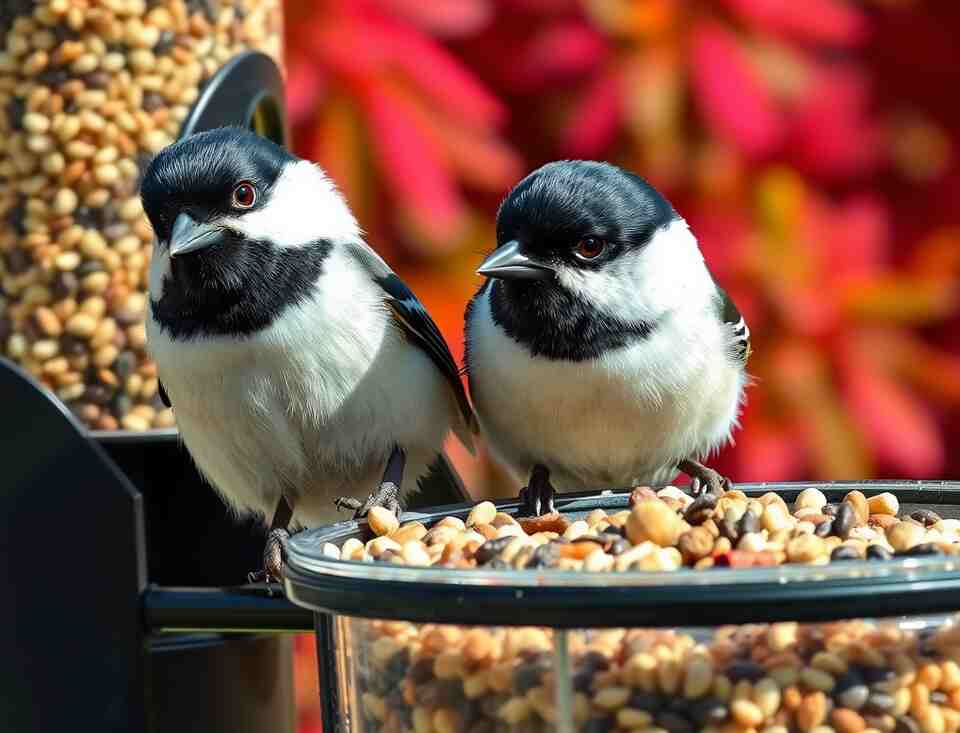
(849, 589)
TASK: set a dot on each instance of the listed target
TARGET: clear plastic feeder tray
(851, 646)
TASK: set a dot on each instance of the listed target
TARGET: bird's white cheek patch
(304, 206)
(642, 285)
(602, 288)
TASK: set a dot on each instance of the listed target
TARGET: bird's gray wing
(415, 321)
(729, 314)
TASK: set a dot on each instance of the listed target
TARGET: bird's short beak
(189, 235)
(510, 263)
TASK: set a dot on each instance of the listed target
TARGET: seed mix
(89, 91)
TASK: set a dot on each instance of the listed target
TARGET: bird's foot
(274, 555)
(536, 498)
(387, 496)
(704, 479)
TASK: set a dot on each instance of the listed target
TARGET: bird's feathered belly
(309, 407)
(626, 417)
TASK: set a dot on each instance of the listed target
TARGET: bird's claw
(536, 498)
(536, 502)
(348, 503)
(387, 496)
(704, 479)
(274, 555)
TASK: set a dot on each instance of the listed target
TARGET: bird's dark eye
(244, 195)
(589, 248)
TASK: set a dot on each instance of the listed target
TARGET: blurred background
(812, 146)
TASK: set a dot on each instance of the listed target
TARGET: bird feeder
(498, 649)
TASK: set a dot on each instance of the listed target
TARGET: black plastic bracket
(247, 90)
(72, 566)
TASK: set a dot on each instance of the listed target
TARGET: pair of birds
(600, 352)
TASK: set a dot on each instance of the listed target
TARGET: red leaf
(767, 453)
(815, 21)
(560, 51)
(480, 159)
(807, 309)
(543, 7)
(413, 165)
(724, 237)
(860, 237)
(731, 95)
(898, 426)
(449, 18)
(596, 119)
(451, 86)
(832, 134)
(345, 43)
(477, 156)
(304, 87)
(934, 372)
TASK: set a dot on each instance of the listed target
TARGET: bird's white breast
(627, 416)
(311, 405)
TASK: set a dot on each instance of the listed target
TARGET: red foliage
(760, 119)
(810, 144)
(734, 101)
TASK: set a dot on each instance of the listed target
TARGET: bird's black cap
(196, 175)
(564, 201)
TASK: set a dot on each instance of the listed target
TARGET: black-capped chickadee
(300, 367)
(601, 352)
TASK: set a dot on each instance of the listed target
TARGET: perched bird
(600, 351)
(301, 369)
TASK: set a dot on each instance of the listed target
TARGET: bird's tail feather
(465, 429)
(440, 485)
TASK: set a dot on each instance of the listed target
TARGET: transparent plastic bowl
(851, 646)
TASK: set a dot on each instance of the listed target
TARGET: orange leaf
(898, 298)
(937, 256)
(338, 146)
(899, 428)
(786, 215)
(935, 372)
(834, 444)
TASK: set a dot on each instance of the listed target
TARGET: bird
(600, 351)
(303, 373)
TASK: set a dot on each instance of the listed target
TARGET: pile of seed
(848, 677)
(666, 530)
(89, 91)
